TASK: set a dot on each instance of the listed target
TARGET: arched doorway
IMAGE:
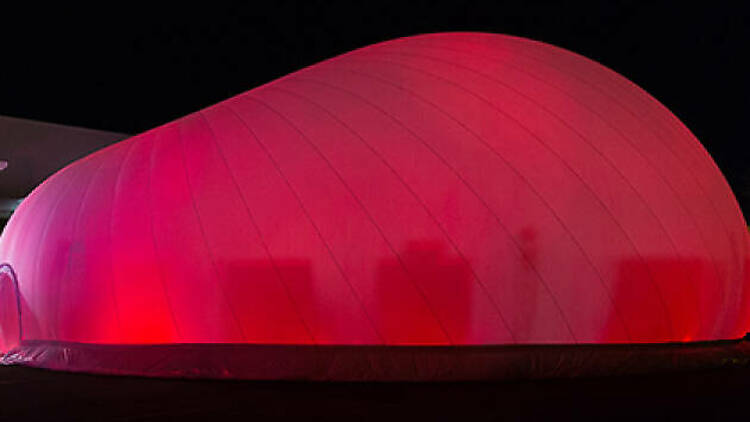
(10, 309)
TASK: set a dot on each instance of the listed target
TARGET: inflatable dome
(444, 193)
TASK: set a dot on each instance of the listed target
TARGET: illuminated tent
(403, 211)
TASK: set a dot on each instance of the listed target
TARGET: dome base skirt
(376, 363)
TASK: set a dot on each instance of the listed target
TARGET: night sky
(125, 70)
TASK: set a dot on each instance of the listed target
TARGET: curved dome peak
(438, 189)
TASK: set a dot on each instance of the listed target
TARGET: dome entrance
(10, 312)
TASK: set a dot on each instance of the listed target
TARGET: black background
(126, 69)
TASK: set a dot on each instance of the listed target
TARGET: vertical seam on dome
(615, 129)
(471, 189)
(442, 159)
(202, 229)
(309, 217)
(560, 51)
(675, 129)
(115, 194)
(527, 182)
(611, 126)
(43, 237)
(257, 228)
(20, 220)
(587, 142)
(680, 129)
(67, 272)
(424, 206)
(377, 227)
(596, 88)
(660, 297)
(672, 123)
(541, 142)
(152, 228)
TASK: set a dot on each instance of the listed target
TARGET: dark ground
(34, 394)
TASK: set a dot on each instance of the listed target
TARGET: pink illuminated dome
(436, 192)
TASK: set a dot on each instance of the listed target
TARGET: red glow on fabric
(10, 330)
(445, 189)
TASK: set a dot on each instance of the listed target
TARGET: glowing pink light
(446, 189)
